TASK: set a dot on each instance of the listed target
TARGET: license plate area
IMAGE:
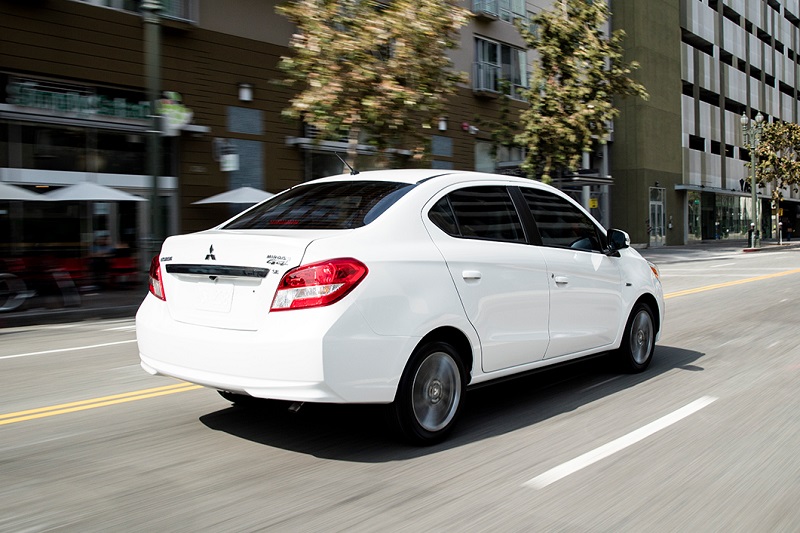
(215, 296)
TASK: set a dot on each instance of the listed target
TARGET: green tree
(579, 71)
(779, 157)
(371, 69)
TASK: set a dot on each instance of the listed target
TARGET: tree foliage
(779, 156)
(578, 72)
(371, 69)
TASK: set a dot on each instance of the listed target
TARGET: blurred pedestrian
(100, 254)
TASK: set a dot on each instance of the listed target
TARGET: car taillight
(318, 284)
(155, 285)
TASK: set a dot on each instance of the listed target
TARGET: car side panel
(586, 308)
(408, 292)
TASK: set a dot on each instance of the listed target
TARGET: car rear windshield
(334, 205)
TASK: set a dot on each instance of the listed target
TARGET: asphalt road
(706, 440)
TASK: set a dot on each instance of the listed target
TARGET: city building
(74, 107)
(678, 159)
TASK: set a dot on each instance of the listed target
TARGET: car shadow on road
(362, 433)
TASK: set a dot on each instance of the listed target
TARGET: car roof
(415, 176)
(409, 176)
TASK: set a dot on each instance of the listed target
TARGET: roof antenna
(353, 171)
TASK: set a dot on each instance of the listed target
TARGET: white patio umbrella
(10, 192)
(242, 195)
(87, 191)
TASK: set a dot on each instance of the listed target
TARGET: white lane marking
(589, 458)
(722, 265)
(121, 328)
(67, 349)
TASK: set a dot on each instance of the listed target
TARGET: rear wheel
(430, 394)
(639, 341)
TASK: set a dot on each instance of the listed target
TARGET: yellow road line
(730, 283)
(60, 409)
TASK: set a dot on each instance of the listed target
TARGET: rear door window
(485, 212)
(334, 205)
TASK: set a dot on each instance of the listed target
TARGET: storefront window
(734, 220)
(3, 145)
(51, 147)
(122, 153)
(718, 216)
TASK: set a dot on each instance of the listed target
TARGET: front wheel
(430, 394)
(639, 341)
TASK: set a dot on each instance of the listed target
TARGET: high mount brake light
(318, 284)
(154, 282)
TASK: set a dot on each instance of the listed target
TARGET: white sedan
(402, 287)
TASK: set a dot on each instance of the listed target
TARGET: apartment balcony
(485, 9)
(507, 10)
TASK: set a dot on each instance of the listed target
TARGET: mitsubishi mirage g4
(397, 287)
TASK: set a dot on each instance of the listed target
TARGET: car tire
(430, 394)
(639, 340)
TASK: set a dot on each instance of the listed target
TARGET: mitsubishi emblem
(211, 253)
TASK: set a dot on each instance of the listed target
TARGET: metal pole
(754, 197)
(756, 138)
(152, 44)
(752, 135)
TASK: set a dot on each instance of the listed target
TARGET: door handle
(471, 274)
(560, 280)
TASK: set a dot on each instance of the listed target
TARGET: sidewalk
(123, 303)
(707, 250)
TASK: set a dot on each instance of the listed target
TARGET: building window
(510, 156)
(3, 145)
(483, 157)
(495, 62)
(697, 143)
(173, 9)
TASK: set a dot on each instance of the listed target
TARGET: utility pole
(151, 10)
(752, 136)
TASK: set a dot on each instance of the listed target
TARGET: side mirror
(618, 240)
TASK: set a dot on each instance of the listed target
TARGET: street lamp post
(752, 136)
(152, 44)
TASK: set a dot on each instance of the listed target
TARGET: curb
(60, 316)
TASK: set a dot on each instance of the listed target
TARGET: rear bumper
(300, 391)
(334, 358)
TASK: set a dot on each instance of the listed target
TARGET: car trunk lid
(227, 279)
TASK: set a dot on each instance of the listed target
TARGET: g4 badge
(280, 260)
